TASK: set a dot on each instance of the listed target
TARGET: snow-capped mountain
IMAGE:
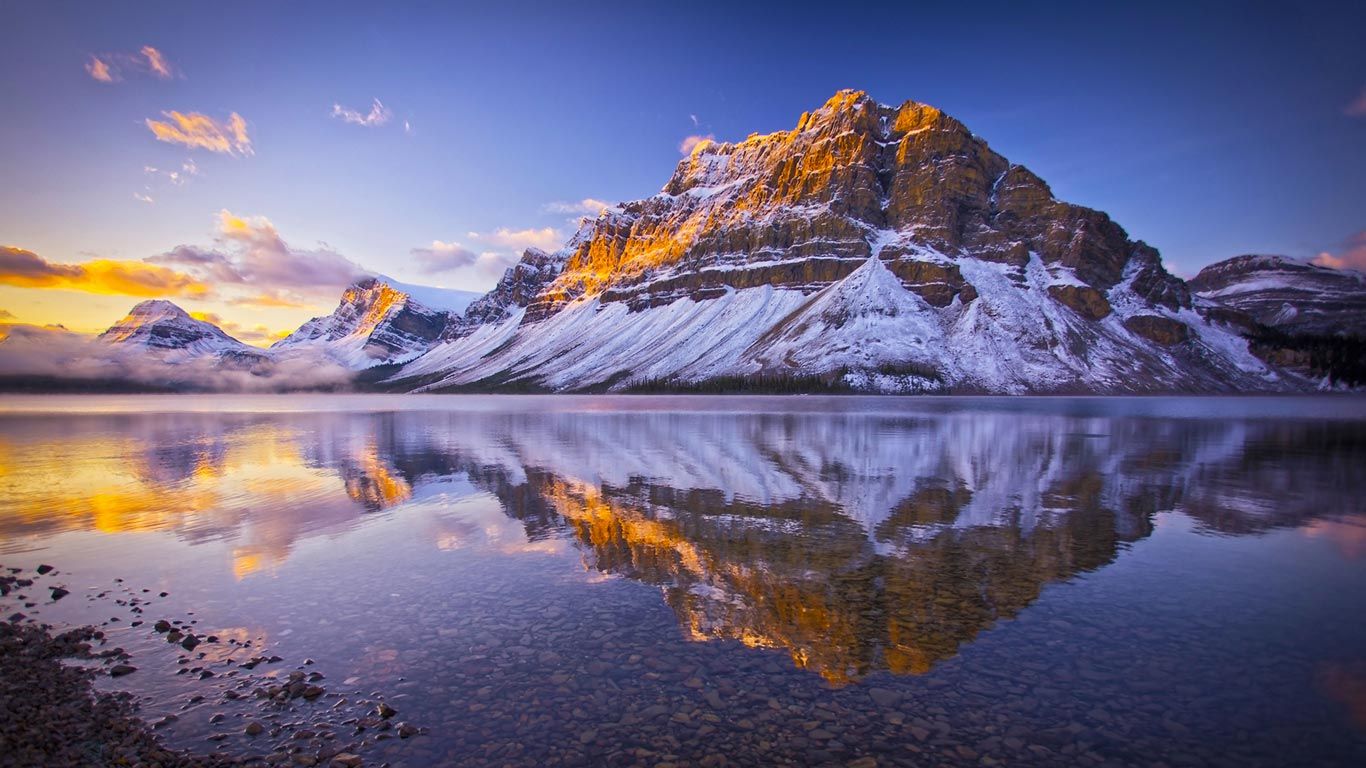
(380, 321)
(164, 329)
(887, 248)
(1288, 294)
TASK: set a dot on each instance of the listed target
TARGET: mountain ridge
(1009, 289)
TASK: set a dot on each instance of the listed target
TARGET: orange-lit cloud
(273, 300)
(109, 67)
(378, 115)
(200, 131)
(1357, 107)
(250, 252)
(260, 335)
(26, 269)
(691, 143)
(157, 62)
(99, 70)
(1351, 256)
(547, 239)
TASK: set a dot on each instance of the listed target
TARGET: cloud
(547, 239)
(271, 300)
(378, 115)
(1357, 108)
(156, 62)
(249, 251)
(449, 257)
(109, 67)
(143, 198)
(690, 144)
(5, 314)
(504, 249)
(586, 207)
(1352, 255)
(99, 70)
(178, 177)
(442, 257)
(693, 118)
(408, 128)
(200, 131)
(26, 269)
(258, 334)
(55, 352)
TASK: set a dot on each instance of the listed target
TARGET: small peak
(846, 99)
(156, 309)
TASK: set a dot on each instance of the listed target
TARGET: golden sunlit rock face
(804, 208)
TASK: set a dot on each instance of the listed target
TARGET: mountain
(1288, 295)
(380, 321)
(871, 247)
(161, 328)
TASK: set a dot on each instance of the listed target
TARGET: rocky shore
(52, 713)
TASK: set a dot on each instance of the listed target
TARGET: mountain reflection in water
(856, 542)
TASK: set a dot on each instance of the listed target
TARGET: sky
(248, 161)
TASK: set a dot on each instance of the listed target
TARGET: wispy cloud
(589, 206)
(197, 130)
(442, 257)
(26, 269)
(378, 115)
(1352, 254)
(156, 61)
(99, 70)
(1357, 107)
(178, 177)
(547, 239)
(691, 143)
(250, 252)
(270, 300)
(693, 118)
(110, 67)
(141, 198)
(500, 249)
(258, 334)
(5, 314)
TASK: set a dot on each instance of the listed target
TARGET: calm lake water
(720, 581)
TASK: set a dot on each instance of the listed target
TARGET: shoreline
(53, 715)
(52, 712)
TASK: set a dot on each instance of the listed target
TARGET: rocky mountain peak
(380, 320)
(1288, 294)
(804, 207)
(163, 326)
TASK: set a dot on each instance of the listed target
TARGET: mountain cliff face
(380, 321)
(164, 329)
(884, 248)
(1287, 294)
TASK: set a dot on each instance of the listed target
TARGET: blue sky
(1206, 131)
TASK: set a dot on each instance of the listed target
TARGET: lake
(717, 581)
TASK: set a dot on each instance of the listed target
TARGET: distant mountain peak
(163, 327)
(381, 320)
(1286, 293)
